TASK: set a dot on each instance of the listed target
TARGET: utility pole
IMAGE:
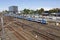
(3, 31)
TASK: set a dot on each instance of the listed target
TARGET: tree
(26, 11)
(55, 10)
(5, 11)
(50, 11)
(32, 12)
(41, 11)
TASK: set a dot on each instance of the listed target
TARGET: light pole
(3, 31)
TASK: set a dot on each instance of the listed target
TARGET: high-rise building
(13, 9)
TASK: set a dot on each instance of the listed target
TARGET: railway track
(16, 33)
(48, 28)
(30, 35)
(27, 35)
(9, 36)
(43, 35)
(44, 32)
(29, 22)
(46, 35)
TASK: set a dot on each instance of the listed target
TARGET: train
(38, 20)
(29, 18)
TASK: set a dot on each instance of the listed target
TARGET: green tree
(26, 11)
(32, 12)
(41, 11)
(55, 10)
(5, 11)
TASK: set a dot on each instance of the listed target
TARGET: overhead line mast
(2, 26)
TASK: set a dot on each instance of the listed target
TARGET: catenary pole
(2, 26)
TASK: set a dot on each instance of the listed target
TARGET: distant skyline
(29, 4)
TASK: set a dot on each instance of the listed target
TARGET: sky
(29, 4)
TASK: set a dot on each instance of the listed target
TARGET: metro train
(38, 20)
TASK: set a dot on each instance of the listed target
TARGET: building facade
(13, 9)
